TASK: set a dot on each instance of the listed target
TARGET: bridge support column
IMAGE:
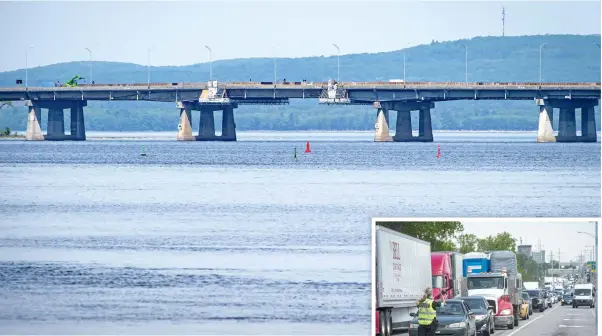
(228, 124)
(425, 126)
(403, 127)
(588, 125)
(34, 119)
(545, 132)
(206, 125)
(56, 124)
(78, 128)
(382, 124)
(185, 124)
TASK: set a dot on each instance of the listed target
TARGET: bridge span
(402, 97)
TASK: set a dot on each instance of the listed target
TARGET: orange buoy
(307, 150)
(438, 151)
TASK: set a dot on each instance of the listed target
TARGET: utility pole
(503, 21)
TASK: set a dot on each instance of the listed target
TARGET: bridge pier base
(56, 124)
(78, 128)
(34, 119)
(206, 125)
(425, 126)
(228, 124)
(567, 125)
(185, 124)
(588, 125)
(403, 126)
(56, 120)
(382, 125)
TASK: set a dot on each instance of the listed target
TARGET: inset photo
(469, 277)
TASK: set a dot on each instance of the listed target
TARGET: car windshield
(451, 308)
(526, 296)
(567, 296)
(485, 282)
(476, 304)
(533, 293)
(583, 292)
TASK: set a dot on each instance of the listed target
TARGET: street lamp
(148, 66)
(338, 62)
(90, 76)
(210, 64)
(466, 61)
(540, 49)
(27, 66)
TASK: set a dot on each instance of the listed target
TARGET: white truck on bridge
(403, 271)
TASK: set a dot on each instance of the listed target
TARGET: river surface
(242, 238)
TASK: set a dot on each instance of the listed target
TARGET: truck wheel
(492, 328)
(389, 323)
(382, 318)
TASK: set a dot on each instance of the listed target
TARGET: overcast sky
(179, 31)
(554, 235)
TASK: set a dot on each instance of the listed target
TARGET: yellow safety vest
(426, 313)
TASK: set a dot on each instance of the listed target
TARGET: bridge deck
(263, 92)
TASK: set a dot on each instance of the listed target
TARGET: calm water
(208, 237)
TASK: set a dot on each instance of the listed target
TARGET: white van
(583, 295)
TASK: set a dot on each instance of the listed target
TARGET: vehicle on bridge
(74, 81)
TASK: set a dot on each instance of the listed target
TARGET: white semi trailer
(402, 272)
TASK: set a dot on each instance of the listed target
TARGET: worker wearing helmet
(427, 315)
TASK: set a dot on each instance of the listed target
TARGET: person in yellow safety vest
(427, 315)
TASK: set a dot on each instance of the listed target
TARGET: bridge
(399, 96)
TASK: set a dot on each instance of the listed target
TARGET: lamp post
(540, 51)
(465, 61)
(90, 76)
(338, 62)
(148, 66)
(210, 64)
(26, 65)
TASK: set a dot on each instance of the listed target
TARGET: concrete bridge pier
(206, 125)
(78, 128)
(425, 126)
(382, 123)
(588, 124)
(403, 129)
(228, 124)
(56, 124)
(185, 124)
(56, 120)
(567, 125)
(34, 120)
(545, 132)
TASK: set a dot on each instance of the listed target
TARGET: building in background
(525, 250)
(539, 256)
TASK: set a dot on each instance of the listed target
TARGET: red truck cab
(441, 268)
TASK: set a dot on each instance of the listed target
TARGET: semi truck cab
(501, 292)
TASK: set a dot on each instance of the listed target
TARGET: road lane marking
(547, 312)
(567, 326)
(575, 320)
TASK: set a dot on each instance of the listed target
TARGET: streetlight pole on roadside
(465, 61)
(540, 52)
(90, 76)
(338, 62)
(148, 66)
(26, 64)
(210, 64)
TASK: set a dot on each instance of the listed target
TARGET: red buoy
(307, 150)
(438, 151)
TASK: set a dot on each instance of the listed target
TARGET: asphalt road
(556, 321)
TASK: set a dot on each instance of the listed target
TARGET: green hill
(566, 58)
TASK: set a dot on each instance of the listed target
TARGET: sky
(177, 32)
(554, 235)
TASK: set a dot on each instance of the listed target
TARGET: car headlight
(413, 326)
(457, 325)
(506, 312)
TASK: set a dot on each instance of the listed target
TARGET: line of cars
(482, 291)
